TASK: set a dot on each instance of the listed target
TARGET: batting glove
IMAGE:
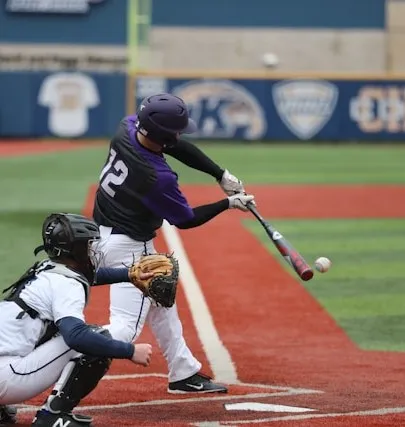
(240, 201)
(230, 184)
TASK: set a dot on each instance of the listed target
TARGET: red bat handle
(296, 261)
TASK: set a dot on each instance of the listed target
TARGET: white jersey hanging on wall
(68, 97)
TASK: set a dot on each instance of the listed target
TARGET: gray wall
(395, 35)
(242, 48)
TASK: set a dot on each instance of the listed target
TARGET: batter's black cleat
(197, 383)
(48, 419)
(8, 415)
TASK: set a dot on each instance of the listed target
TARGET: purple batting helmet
(162, 117)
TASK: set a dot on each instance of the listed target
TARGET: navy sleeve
(203, 214)
(107, 276)
(79, 336)
(192, 156)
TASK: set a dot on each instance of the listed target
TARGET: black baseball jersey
(137, 188)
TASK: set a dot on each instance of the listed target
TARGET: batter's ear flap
(39, 249)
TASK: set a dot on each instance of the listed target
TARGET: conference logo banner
(305, 106)
(50, 6)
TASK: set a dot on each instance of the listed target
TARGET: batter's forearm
(203, 214)
(193, 157)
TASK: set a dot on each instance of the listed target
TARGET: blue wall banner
(265, 109)
(41, 6)
(61, 104)
(75, 104)
(71, 22)
(266, 13)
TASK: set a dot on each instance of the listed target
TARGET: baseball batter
(137, 191)
(44, 339)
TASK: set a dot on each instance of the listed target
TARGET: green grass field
(364, 290)
(366, 294)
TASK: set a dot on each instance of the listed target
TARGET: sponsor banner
(61, 104)
(50, 6)
(90, 104)
(305, 110)
(68, 98)
(70, 23)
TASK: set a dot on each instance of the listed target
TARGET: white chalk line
(159, 402)
(297, 390)
(365, 413)
(220, 360)
(281, 391)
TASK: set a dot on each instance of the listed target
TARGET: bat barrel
(307, 275)
(296, 261)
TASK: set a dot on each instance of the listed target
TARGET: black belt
(117, 231)
(30, 311)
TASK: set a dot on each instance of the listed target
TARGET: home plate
(263, 407)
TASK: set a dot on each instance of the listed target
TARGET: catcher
(44, 339)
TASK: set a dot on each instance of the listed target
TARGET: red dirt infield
(285, 348)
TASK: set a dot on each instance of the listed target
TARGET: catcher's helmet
(163, 117)
(70, 235)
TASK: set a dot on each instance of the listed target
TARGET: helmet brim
(191, 127)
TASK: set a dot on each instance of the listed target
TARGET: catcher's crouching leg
(79, 377)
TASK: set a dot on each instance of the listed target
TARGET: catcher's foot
(197, 383)
(47, 419)
(8, 415)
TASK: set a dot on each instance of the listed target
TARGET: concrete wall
(243, 48)
(177, 48)
(395, 28)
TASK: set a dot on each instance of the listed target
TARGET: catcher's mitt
(163, 285)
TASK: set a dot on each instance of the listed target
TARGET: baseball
(270, 60)
(322, 264)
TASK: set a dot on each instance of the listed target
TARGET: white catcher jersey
(54, 294)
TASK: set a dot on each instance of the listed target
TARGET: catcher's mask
(71, 236)
(162, 118)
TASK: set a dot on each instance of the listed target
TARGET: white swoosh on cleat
(197, 387)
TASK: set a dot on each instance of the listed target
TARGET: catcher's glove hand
(162, 286)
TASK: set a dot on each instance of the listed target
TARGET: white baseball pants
(129, 309)
(22, 378)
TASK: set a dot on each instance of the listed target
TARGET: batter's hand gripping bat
(296, 261)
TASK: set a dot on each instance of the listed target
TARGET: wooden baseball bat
(290, 254)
